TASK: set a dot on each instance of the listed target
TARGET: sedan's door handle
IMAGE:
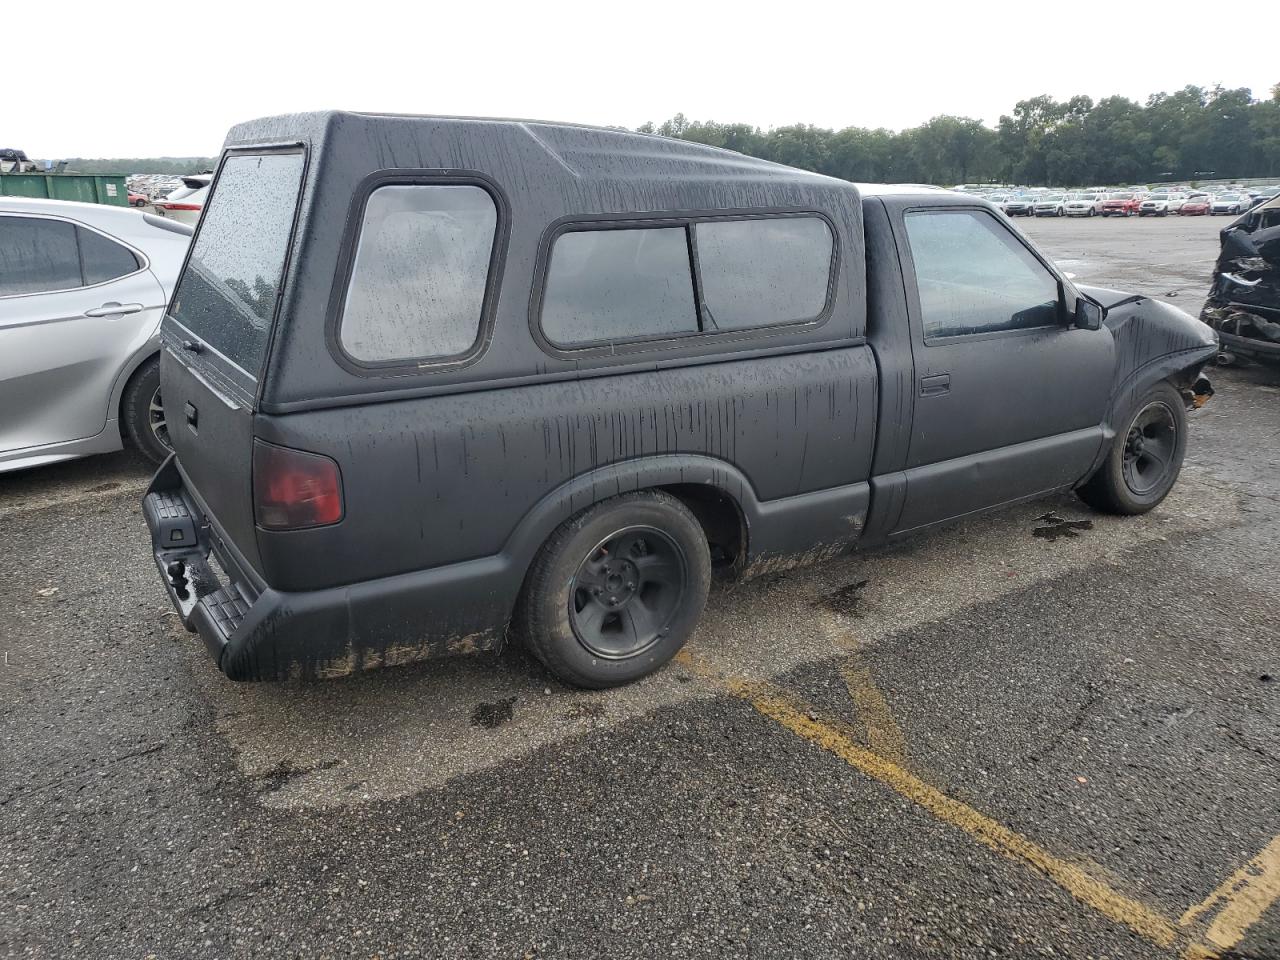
(113, 309)
(936, 385)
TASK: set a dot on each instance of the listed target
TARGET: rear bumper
(254, 632)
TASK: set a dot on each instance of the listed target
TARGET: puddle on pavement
(493, 715)
(847, 601)
(1054, 527)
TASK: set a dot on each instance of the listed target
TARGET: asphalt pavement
(1040, 733)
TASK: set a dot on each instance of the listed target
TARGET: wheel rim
(1149, 449)
(156, 421)
(626, 593)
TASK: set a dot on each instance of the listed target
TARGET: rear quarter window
(227, 294)
(103, 259)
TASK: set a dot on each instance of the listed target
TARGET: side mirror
(1089, 315)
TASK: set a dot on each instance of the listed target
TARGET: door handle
(113, 309)
(935, 386)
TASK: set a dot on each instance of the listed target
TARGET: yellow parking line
(803, 721)
(884, 736)
(1240, 901)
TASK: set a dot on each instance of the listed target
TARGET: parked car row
(1139, 201)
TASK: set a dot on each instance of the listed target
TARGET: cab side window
(974, 277)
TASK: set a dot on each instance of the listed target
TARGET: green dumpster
(87, 188)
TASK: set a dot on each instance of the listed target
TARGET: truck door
(1009, 397)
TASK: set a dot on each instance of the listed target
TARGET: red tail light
(293, 490)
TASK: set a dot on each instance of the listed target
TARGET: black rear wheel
(1145, 459)
(616, 590)
(143, 412)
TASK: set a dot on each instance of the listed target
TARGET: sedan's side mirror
(1089, 315)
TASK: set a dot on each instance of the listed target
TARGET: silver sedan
(82, 290)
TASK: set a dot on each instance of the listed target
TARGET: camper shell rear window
(228, 292)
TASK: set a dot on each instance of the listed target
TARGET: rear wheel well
(134, 374)
(721, 520)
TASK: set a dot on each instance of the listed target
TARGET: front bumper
(1251, 347)
(255, 632)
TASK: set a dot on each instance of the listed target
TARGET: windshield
(1122, 196)
(1229, 196)
(1158, 196)
(1052, 198)
(227, 293)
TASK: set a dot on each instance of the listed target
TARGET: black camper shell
(834, 420)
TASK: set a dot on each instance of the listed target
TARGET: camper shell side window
(606, 285)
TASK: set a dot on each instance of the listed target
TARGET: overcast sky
(103, 80)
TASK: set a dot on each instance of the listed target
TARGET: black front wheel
(1145, 458)
(616, 590)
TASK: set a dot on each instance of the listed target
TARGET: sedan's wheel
(616, 590)
(1145, 459)
(143, 413)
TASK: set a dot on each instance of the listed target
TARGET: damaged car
(436, 382)
(1244, 301)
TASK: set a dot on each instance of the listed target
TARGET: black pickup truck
(433, 381)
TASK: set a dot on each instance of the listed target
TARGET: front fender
(1154, 341)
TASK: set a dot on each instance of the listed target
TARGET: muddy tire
(1145, 457)
(616, 590)
(142, 414)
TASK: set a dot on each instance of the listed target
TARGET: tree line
(1196, 133)
(176, 166)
